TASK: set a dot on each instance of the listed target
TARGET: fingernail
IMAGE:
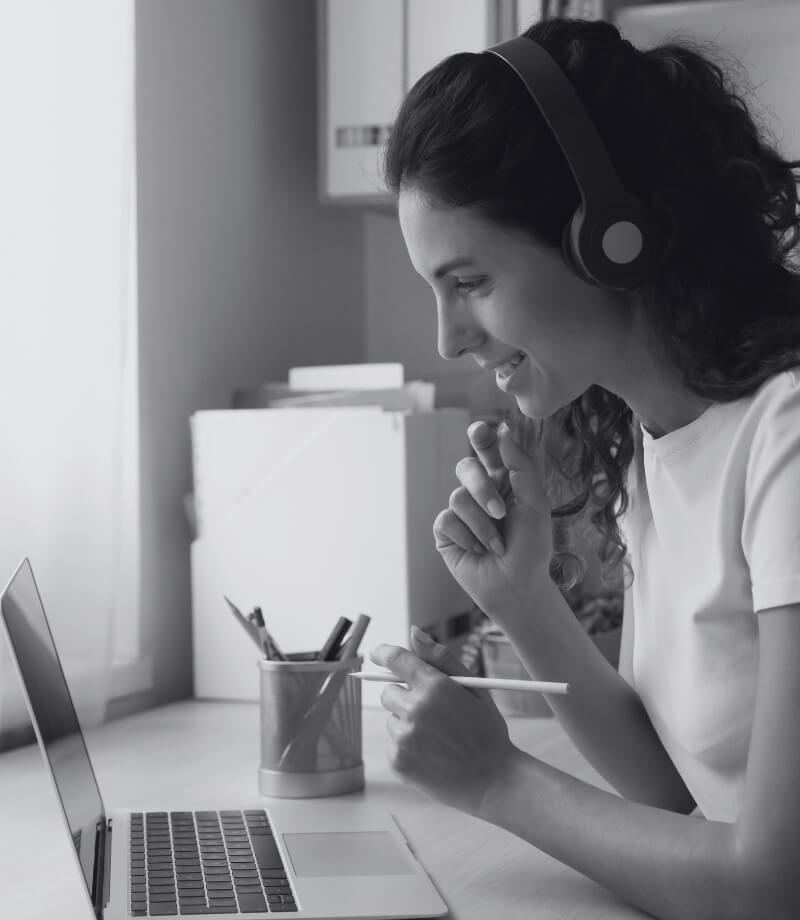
(505, 429)
(421, 636)
(496, 508)
(496, 546)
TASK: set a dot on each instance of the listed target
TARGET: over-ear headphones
(612, 239)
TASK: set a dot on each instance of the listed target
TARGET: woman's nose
(458, 333)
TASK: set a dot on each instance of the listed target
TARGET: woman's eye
(465, 287)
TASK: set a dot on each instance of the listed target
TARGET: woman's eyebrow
(445, 267)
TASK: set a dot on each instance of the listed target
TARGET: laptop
(305, 859)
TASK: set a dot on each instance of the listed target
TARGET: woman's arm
(676, 866)
(602, 714)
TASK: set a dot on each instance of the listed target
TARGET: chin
(537, 408)
(531, 408)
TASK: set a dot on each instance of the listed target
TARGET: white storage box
(313, 514)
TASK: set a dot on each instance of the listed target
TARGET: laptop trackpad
(346, 853)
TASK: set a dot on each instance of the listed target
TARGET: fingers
(397, 700)
(405, 664)
(483, 438)
(432, 664)
(484, 441)
(527, 481)
(472, 474)
(466, 524)
(439, 656)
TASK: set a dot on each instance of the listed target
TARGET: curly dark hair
(724, 301)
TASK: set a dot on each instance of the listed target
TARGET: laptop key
(163, 910)
(266, 852)
(249, 903)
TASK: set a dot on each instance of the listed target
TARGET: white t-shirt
(713, 531)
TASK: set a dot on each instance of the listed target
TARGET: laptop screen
(53, 714)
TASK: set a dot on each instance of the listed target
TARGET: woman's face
(500, 295)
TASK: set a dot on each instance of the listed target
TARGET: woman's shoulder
(770, 422)
(787, 379)
(778, 394)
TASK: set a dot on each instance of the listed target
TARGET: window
(68, 374)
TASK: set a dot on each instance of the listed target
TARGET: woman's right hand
(496, 575)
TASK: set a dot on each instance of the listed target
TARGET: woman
(669, 414)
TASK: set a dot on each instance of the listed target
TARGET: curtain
(68, 439)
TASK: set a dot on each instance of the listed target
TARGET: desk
(193, 754)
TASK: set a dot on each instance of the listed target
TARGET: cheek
(532, 312)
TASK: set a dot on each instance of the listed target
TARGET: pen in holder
(310, 727)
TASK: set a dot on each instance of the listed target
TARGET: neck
(651, 386)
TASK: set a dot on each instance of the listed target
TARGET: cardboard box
(313, 514)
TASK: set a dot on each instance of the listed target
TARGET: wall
(241, 272)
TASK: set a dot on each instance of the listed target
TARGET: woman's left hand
(449, 741)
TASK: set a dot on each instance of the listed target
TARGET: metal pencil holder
(310, 727)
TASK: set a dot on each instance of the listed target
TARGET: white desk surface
(200, 754)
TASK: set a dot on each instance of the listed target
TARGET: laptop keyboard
(205, 862)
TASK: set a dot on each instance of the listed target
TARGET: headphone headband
(612, 239)
(572, 128)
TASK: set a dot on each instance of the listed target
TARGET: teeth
(505, 369)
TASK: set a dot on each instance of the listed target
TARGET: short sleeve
(771, 523)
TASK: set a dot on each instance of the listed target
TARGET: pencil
(271, 649)
(483, 683)
(247, 626)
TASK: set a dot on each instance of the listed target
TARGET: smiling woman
(663, 405)
(67, 290)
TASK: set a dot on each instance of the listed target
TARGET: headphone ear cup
(619, 259)
(568, 250)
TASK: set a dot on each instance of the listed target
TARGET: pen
(484, 683)
(333, 643)
(304, 742)
(350, 648)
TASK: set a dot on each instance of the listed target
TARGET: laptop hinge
(101, 877)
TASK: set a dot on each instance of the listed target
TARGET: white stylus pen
(483, 683)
